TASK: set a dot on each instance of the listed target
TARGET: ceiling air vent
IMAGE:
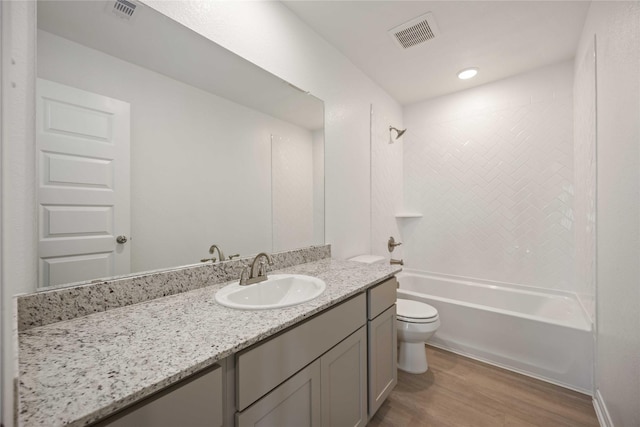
(416, 31)
(123, 9)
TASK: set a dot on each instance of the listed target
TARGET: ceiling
(501, 38)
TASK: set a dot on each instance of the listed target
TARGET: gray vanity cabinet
(344, 382)
(313, 374)
(382, 342)
(194, 402)
(332, 370)
(330, 392)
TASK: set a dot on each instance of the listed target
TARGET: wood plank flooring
(457, 391)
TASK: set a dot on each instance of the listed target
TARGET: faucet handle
(262, 268)
(208, 259)
(230, 257)
(244, 276)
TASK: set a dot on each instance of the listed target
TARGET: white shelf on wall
(401, 215)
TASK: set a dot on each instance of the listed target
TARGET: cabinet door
(344, 382)
(195, 402)
(295, 403)
(383, 362)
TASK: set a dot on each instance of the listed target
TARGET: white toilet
(416, 323)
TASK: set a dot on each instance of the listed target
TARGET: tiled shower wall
(491, 169)
(585, 178)
(386, 181)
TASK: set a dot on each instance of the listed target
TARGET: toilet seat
(415, 311)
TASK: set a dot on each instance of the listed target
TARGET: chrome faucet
(396, 261)
(257, 272)
(213, 249)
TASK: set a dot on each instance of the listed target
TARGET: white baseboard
(601, 410)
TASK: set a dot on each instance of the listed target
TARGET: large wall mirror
(155, 143)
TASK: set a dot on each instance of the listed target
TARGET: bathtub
(540, 333)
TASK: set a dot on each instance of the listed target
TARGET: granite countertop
(78, 371)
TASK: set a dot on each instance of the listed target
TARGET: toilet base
(412, 357)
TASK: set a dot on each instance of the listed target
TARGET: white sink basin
(280, 290)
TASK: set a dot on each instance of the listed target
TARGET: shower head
(398, 131)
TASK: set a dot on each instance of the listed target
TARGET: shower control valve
(391, 244)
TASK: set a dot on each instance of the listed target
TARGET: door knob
(121, 239)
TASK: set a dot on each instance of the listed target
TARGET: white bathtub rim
(506, 287)
(554, 322)
(512, 369)
(476, 281)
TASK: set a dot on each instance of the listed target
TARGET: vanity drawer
(261, 368)
(381, 297)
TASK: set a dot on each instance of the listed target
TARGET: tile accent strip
(56, 305)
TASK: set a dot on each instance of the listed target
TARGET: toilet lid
(414, 311)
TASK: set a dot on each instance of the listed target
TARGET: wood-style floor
(457, 391)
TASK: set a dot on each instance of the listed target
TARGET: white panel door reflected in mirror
(82, 142)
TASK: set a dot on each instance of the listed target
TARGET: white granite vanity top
(78, 371)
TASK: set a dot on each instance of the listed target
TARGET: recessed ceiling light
(467, 73)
